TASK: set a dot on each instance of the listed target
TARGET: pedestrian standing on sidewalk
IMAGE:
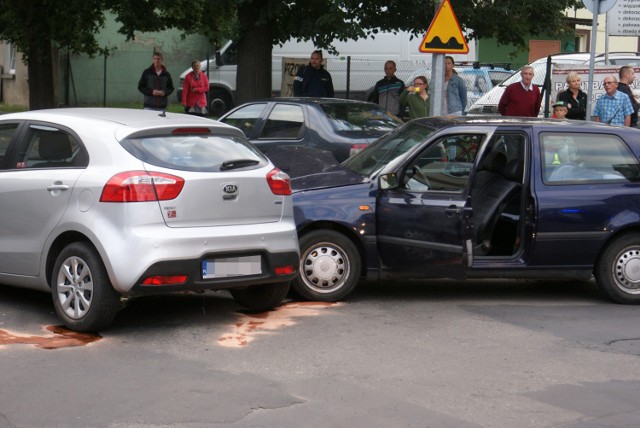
(194, 91)
(416, 98)
(387, 91)
(627, 76)
(156, 85)
(613, 107)
(574, 98)
(313, 80)
(455, 90)
(521, 98)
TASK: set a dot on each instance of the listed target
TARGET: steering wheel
(418, 175)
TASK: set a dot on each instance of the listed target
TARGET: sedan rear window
(195, 152)
(359, 117)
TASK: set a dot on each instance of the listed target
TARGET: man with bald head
(613, 107)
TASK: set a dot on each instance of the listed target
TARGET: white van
(365, 58)
(488, 103)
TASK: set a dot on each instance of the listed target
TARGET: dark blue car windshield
(388, 148)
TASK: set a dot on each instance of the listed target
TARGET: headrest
(513, 170)
(54, 146)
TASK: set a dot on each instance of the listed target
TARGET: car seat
(491, 192)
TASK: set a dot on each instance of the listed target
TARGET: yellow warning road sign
(444, 34)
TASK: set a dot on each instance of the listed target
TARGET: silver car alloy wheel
(626, 270)
(325, 267)
(75, 287)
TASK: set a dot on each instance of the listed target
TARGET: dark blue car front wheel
(329, 266)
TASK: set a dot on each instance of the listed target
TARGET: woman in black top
(575, 99)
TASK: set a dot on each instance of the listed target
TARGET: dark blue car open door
(424, 219)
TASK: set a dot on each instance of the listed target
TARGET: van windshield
(538, 75)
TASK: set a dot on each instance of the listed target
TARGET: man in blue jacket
(313, 80)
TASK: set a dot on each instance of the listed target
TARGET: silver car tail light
(279, 182)
(141, 186)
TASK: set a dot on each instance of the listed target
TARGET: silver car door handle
(57, 186)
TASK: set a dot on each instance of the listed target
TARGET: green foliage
(33, 26)
(70, 24)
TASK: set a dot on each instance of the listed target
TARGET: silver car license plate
(232, 266)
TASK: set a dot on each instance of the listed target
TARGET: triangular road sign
(444, 34)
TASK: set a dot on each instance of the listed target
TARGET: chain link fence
(113, 79)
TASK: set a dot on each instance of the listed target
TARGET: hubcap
(75, 287)
(325, 268)
(627, 271)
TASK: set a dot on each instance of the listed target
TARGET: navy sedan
(471, 197)
(342, 127)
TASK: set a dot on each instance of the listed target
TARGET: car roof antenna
(164, 113)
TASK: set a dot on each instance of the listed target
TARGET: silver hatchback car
(96, 204)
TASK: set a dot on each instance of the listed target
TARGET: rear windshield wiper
(238, 163)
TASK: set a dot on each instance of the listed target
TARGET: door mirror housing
(388, 181)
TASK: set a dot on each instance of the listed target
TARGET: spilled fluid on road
(252, 325)
(61, 338)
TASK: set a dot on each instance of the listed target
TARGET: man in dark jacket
(627, 76)
(387, 91)
(313, 80)
(156, 85)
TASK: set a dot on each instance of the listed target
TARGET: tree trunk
(41, 79)
(253, 78)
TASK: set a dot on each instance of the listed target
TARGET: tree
(35, 26)
(263, 23)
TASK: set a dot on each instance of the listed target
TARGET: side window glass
(444, 165)
(245, 119)
(6, 134)
(285, 121)
(46, 147)
(571, 158)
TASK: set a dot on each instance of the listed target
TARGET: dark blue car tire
(329, 266)
(618, 269)
(83, 296)
(261, 297)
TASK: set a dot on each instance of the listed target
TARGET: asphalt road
(408, 354)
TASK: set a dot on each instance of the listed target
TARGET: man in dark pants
(313, 80)
(627, 76)
(156, 85)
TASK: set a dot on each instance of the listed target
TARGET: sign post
(443, 36)
(596, 7)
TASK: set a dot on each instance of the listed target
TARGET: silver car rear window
(195, 152)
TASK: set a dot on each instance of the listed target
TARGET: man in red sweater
(521, 98)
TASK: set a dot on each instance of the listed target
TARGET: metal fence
(113, 78)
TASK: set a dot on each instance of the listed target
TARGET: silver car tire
(618, 269)
(261, 297)
(82, 293)
(329, 266)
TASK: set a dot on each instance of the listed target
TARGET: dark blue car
(472, 197)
